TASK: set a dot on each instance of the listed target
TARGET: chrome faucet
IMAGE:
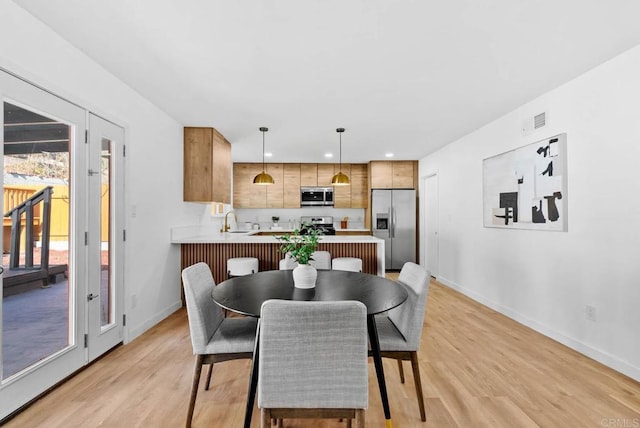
(226, 226)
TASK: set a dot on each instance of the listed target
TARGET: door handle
(393, 221)
(1, 270)
(92, 296)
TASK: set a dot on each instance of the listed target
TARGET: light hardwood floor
(479, 369)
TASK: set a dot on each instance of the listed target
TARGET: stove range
(324, 223)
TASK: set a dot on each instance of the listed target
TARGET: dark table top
(245, 294)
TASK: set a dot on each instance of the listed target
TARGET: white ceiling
(405, 76)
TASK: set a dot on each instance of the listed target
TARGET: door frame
(427, 200)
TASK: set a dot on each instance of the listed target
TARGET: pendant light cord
(340, 169)
(263, 165)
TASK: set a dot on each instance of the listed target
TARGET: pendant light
(263, 178)
(340, 179)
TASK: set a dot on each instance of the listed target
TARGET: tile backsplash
(291, 216)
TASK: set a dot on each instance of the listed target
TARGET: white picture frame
(526, 188)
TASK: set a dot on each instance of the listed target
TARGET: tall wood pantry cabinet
(207, 166)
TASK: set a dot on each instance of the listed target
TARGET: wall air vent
(533, 123)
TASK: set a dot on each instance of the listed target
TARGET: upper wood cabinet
(381, 174)
(275, 191)
(325, 174)
(393, 174)
(245, 193)
(289, 177)
(291, 185)
(308, 174)
(207, 166)
(342, 194)
(359, 185)
(403, 175)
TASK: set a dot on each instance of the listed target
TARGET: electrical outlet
(590, 312)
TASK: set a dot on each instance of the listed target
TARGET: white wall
(153, 163)
(545, 279)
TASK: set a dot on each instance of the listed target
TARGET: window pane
(36, 290)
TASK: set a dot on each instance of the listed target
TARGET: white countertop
(204, 234)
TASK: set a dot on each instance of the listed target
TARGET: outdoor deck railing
(27, 208)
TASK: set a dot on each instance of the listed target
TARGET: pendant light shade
(263, 178)
(340, 179)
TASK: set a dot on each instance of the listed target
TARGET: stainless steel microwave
(316, 196)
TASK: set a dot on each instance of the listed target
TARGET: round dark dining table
(245, 295)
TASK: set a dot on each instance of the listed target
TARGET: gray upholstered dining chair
(321, 260)
(400, 329)
(298, 378)
(213, 337)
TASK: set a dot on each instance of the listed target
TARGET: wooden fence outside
(14, 195)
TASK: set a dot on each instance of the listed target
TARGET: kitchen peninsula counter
(199, 244)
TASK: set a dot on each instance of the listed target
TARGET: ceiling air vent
(539, 120)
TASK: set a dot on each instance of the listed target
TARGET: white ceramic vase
(304, 276)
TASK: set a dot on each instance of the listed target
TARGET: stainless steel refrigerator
(394, 220)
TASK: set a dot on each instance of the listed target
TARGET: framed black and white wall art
(526, 188)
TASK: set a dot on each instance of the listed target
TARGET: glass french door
(61, 301)
(43, 316)
(105, 236)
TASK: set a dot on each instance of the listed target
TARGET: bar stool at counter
(287, 263)
(351, 264)
(241, 266)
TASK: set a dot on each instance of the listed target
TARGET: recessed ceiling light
(268, 155)
(328, 155)
(388, 155)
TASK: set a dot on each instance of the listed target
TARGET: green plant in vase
(299, 246)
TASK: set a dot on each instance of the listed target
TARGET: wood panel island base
(216, 250)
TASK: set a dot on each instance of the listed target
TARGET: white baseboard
(600, 356)
(135, 332)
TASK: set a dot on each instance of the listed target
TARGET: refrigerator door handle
(392, 223)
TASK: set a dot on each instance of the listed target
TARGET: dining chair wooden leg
(418, 383)
(348, 423)
(194, 388)
(208, 384)
(400, 370)
(359, 419)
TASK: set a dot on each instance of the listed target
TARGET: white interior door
(431, 224)
(105, 236)
(42, 315)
